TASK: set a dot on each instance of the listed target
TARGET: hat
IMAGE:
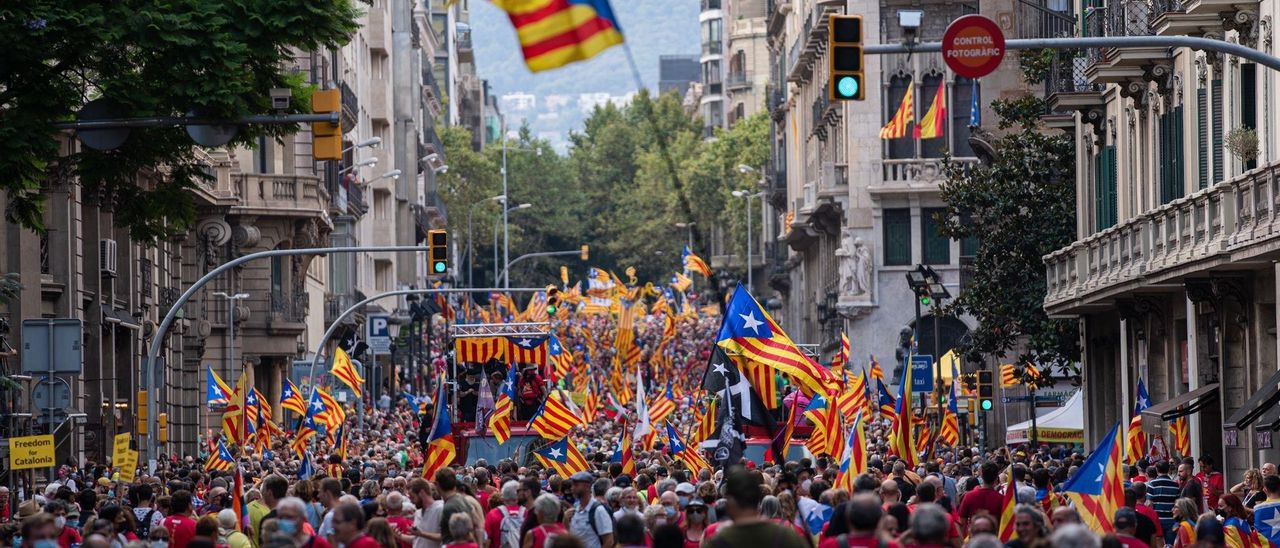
(623, 481)
(685, 489)
(28, 509)
(582, 476)
(1125, 518)
(696, 502)
(104, 482)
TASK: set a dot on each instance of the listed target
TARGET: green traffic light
(439, 267)
(925, 300)
(847, 86)
(551, 309)
(986, 405)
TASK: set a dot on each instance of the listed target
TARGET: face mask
(287, 527)
(73, 523)
(46, 543)
(59, 523)
(684, 501)
(671, 511)
(695, 517)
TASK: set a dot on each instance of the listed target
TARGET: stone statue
(855, 267)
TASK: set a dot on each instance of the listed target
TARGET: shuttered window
(1171, 158)
(1105, 188)
(1202, 140)
(1216, 127)
(897, 237)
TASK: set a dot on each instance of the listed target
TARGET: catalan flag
(561, 360)
(897, 126)
(694, 263)
(233, 418)
(500, 421)
(554, 419)
(221, 460)
(888, 405)
(624, 454)
(554, 33)
(877, 372)
(842, 356)
(1097, 488)
(219, 393)
(478, 349)
(707, 421)
(306, 431)
(1007, 505)
(1181, 434)
(783, 444)
(526, 349)
(306, 468)
(1135, 438)
(762, 380)
(934, 122)
(441, 448)
(688, 455)
(563, 457)
(949, 432)
(331, 414)
(681, 283)
(661, 406)
(828, 432)
(854, 460)
(291, 398)
(344, 371)
(748, 331)
(902, 437)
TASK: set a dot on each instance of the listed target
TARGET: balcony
(1232, 222)
(334, 305)
(288, 312)
(379, 97)
(376, 32)
(1172, 19)
(824, 114)
(1116, 65)
(1212, 8)
(1037, 20)
(709, 5)
(357, 206)
(462, 41)
(777, 10)
(431, 97)
(270, 195)
(834, 182)
(808, 45)
(1066, 86)
(737, 81)
(350, 107)
(777, 101)
(712, 48)
(914, 175)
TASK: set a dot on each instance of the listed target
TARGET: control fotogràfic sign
(973, 46)
(30, 452)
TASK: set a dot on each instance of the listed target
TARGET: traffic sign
(922, 373)
(378, 334)
(52, 345)
(51, 394)
(973, 46)
(1012, 399)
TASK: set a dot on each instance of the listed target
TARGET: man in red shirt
(348, 527)
(864, 515)
(984, 498)
(182, 528)
(1126, 523)
(402, 523)
(1211, 480)
(502, 524)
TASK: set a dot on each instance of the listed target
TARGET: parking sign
(378, 334)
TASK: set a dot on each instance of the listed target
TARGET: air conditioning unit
(107, 257)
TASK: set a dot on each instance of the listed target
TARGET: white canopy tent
(1062, 425)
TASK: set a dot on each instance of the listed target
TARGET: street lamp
(370, 142)
(362, 163)
(747, 196)
(688, 226)
(231, 322)
(393, 175)
(929, 291)
(506, 232)
(506, 258)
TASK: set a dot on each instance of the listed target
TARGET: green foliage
(1021, 207)
(10, 287)
(613, 191)
(154, 59)
(1036, 64)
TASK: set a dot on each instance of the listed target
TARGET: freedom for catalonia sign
(31, 452)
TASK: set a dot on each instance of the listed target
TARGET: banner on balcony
(897, 126)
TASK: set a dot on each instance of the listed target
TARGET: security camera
(280, 98)
(909, 20)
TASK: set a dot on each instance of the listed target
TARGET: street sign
(30, 452)
(1012, 399)
(973, 46)
(52, 345)
(922, 373)
(378, 334)
(51, 394)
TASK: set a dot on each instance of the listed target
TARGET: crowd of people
(375, 494)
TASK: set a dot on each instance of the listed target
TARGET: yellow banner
(126, 464)
(30, 452)
(119, 446)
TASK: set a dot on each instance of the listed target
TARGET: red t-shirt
(1211, 483)
(493, 522)
(68, 537)
(364, 541)
(1130, 542)
(542, 532)
(982, 498)
(1151, 514)
(181, 530)
(857, 542)
(402, 525)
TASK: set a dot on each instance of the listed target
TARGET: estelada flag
(344, 371)
(554, 33)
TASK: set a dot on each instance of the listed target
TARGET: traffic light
(438, 244)
(162, 428)
(326, 138)
(844, 38)
(553, 299)
(586, 251)
(985, 390)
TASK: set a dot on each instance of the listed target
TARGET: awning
(1184, 404)
(1062, 425)
(1270, 420)
(1258, 404)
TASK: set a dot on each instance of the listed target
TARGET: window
(968, 245)
(712, 36)
(936, 247)
(1171, 160)
(381, 205)
(905, 146)
(897, 237)
(1105, 188)
(1202, 132)
(963, 95)
(1249, 102)
(262, 156)
(1216, 127)
(711, 72)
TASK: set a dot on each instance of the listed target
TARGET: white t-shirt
(582, 528)
(427, 520)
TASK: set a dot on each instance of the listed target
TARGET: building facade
(676, 72)
(1173, 275)
(854, 213)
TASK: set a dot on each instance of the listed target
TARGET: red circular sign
(973, 46)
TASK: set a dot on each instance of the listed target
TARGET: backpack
(144, 526)
(509, 529)
(591, 514)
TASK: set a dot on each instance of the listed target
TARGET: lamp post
(362, 163)
(471, 256)
(231, 323)
(370, 142)
(929, 291)
(748, 196)
(506, 260)
(688, 227)
(506, 232)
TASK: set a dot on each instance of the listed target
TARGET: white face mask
(59, 523)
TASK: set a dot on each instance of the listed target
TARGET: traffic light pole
(1089, 42)
(164, 121)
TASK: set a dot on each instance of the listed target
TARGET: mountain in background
(651, 28)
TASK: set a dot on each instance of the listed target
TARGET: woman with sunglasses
(695, 523)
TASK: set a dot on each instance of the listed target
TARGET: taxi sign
(973, 46)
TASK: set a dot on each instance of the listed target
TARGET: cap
(696, 502)
(582, 476)
(1125, 518)
(623, 481)
(685, 488)
(104, 482)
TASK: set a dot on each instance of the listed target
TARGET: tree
(152, 59)
(1020, 207)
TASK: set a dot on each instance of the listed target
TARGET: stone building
(1173, 273)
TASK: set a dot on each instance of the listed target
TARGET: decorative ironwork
(1067, 74)
(290, 307)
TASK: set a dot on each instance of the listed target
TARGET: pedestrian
(590, 519)
(349, 526)
(742, 493)
(228, 534)
(547, 509)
